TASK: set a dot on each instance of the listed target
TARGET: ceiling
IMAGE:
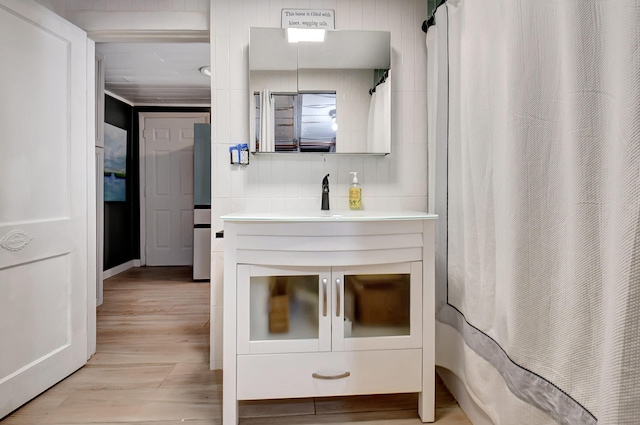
(157, 73)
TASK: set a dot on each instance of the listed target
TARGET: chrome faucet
(325, 193)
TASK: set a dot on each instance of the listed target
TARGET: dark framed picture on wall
(115, 163)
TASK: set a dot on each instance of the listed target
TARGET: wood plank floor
(152, 368)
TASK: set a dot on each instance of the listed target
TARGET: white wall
(98, 16)
(60, 6)
(293, 182)
(56, 6)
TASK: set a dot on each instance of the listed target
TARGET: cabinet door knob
(324, 297)
(337, 297)
(342, 375)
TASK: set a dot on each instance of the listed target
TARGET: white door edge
(143, 184)
(92, 208)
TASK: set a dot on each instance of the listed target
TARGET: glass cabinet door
(379, 307)
(283, 310)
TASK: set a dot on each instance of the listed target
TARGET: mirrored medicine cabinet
(329, 97)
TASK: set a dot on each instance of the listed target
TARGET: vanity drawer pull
(342, 375)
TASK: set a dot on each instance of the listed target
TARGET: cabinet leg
(426, 406)
(230, 412)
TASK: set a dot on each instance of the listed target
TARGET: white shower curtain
(379, 121)
(539, 243)
(267, 122)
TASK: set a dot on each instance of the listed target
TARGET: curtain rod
(432, 19)
(382, 80)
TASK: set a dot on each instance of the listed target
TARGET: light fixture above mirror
(295, 35)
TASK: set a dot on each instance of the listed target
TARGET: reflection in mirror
(291, 110)
(318, 122)
(304, 122)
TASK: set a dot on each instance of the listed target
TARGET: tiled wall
(277, 182)
(293, 182)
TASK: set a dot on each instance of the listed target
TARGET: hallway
(152, 368)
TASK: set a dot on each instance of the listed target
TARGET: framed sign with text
(309, 18)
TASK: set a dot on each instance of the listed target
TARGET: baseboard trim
(119, 269)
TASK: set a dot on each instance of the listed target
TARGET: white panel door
(168, 202)
(44, 151)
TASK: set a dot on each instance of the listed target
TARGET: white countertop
(337, 215)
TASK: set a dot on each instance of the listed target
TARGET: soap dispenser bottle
(355, 192)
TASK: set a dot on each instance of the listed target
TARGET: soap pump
(355, 192)
(325, 193)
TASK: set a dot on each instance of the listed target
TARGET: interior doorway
(166, 187)
(162, 71)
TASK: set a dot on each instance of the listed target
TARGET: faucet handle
(325, 181)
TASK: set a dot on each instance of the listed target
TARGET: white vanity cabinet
(328, 305)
